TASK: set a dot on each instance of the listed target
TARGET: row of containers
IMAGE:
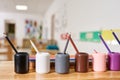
(62, 63)
(100, 62)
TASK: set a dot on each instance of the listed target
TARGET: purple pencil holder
(114, 61)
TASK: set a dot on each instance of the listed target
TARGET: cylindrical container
(21, 61)
(114, 61)
(99, 61)
(42, 62)
(62, 63)
(81, 62)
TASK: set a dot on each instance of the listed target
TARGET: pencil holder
(81, 62)
(42, 62)
(114, 61)
(21, 61)
(62, 63)
(99, 62)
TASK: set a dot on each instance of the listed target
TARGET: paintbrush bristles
(2, 36)
(34, 46)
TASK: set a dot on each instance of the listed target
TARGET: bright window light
(21, 7)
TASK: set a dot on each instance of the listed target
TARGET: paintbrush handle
(104, 43)
(73, 44)
(11, 44)
(66, 45)
(116, 37)
(34, 46)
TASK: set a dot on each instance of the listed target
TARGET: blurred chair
(26, 43)
(5, 51)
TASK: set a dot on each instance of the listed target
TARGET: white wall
(20, 23)
(54, 8)
(86, 15)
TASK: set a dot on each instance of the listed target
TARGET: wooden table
(7, 73)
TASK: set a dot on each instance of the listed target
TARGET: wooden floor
(7, 73)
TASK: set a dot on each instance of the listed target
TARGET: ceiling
(34, 6)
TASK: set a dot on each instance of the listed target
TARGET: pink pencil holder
(99, 62)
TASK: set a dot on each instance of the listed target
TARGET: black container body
(21, 62)
(62, 63)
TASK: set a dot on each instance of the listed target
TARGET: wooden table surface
(7, 73)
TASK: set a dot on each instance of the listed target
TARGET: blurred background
(46, 23)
